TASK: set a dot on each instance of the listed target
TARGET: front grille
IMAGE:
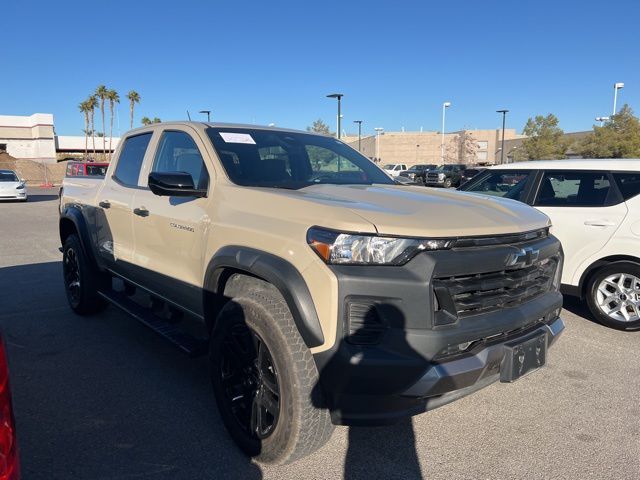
(471, 295)
(432, 176)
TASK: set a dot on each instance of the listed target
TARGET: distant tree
(618, 138)
(320, 127)
(156, 120)
(134, 97)
(113, 98)
(85, 108)
(146, 121)
(464, 148)
(101, 94)
(545, 139)
(92, 103)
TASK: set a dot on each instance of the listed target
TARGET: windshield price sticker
(237, 138)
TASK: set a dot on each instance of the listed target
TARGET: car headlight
(356, 249)
(20, 187)
(441, 176)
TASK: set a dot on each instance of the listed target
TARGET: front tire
(264, 377)
(82, 281)
(613, 295)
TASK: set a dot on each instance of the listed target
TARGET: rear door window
(501, 183)
(130, 160)
(574, 189)
(628, 184)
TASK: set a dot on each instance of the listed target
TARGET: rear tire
(82, 281)
(447, 183)
(281, 393)
(613, 295)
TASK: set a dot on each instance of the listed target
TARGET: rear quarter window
(628, 184)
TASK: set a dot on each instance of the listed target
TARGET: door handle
(105, 204)
(599, 223)
(141, 212)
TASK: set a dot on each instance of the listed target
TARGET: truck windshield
(281, 159)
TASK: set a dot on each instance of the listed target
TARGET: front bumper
(16, 195)
(410, 367)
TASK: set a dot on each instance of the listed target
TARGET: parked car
(10, 463)
(394, 169)
(468, 173)
(446, 176)
(594, 206)
(12, 187)
(417, 173)
(83, 169)
(328, 296)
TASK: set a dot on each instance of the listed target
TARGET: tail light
(9, 465)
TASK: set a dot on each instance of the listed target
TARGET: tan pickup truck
(328, 294)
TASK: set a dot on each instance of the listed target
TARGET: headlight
(441, 176)
(20, 187)
(557, 278)
(354, 249)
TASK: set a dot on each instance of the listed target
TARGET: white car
(12, 187)
(395, 169)
(594, 206)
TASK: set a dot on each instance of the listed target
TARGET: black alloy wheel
(71, 271)
(250, 382)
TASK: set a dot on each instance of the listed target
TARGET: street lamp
(602, 120)
(616, 87)
(208, 112)
(339, 97)
(359, 122)
(504, 116)
(445, 105)
(378, 132)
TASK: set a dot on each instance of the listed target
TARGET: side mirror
(174, 184)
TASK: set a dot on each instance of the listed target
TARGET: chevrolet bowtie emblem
(523, 258)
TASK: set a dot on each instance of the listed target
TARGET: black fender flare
(74, 215)
(278, 272)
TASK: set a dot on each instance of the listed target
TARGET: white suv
(395, 169)
(594, 206)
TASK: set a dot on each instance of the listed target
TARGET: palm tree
(146, 121)
(156, 120)
(92, 103)
(101, 94)
(134, 98)
(113, 98)
(84, 109)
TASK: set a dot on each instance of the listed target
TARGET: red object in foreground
(9, 463)
(46, 185)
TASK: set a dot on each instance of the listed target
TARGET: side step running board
(190, 345)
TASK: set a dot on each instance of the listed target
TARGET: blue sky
(274, 61)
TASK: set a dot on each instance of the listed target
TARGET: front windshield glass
(8, 177)
(279, 159)
(389, 166)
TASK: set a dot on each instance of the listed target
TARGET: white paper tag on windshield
(237, 138)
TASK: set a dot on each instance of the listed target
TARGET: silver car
(12, 187)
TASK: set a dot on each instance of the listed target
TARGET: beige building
(482, 146)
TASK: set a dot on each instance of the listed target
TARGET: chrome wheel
(618, 297)
(71, 270)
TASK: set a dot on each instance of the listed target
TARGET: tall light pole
(602, 120)
(504, 117)
(616, 87)
(359, 122)
(445, 105)
(378, 131)
(339, 97)
(208, 112)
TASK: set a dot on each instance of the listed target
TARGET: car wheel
(613, 295)
(82, 281)
(263, 377)
(447, 183)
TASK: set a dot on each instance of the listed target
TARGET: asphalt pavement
(103, 397)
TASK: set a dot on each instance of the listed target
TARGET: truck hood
(419, 211)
